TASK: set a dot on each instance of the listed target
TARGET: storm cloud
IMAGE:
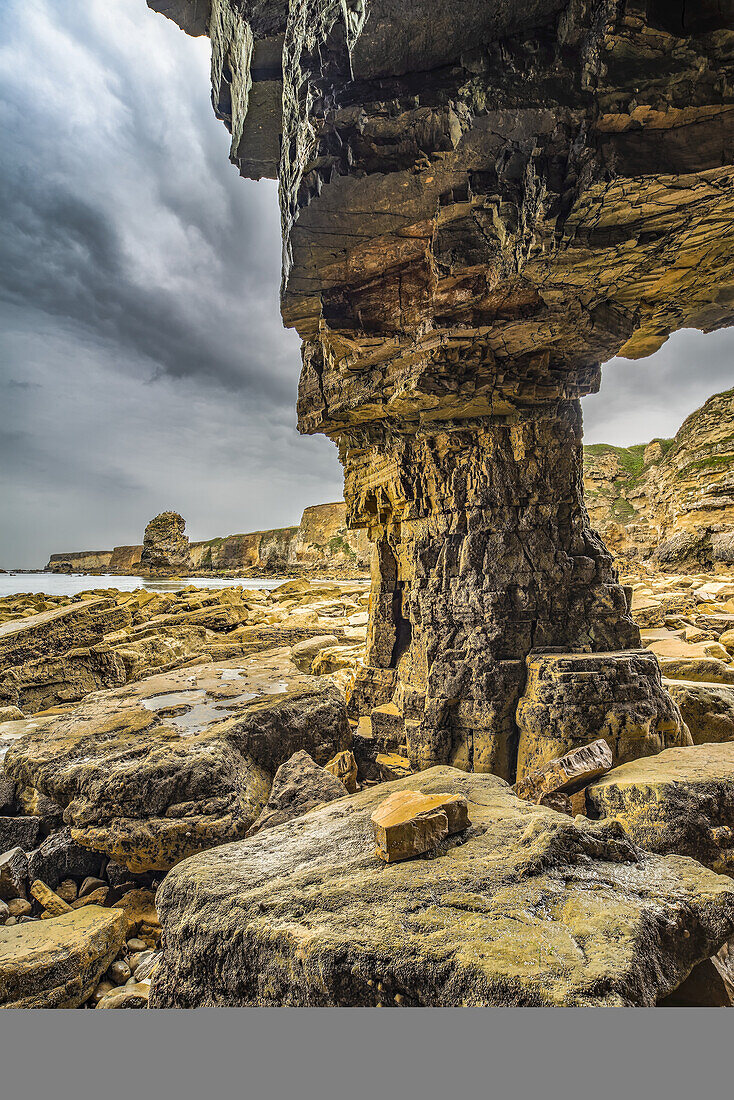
(143, 362)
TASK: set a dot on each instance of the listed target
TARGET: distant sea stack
(165, 546)
(322, 543)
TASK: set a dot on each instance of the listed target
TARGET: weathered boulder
(567, 774)
(571, 699)
(49, 633)
(149, 774)
(58, 857)
(707, 709)
(680, 801)
(707, 669)
(19, 832)
(58, 963)
(305, 915)
(303, 653)
(54, 681)
(13, 874)
(165, 547)
(299, 786)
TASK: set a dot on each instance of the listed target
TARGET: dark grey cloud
(644, 399)
(143, 363)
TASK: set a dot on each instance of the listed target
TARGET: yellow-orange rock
(344, 767)
(409, 823)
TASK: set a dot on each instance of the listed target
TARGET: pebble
(67, 890)
(119, 972)
(11, 921)
(136, 945)
(101, 991)
(19, 907)
(90, 884)
(4, 912)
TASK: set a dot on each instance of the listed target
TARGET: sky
(143, 363)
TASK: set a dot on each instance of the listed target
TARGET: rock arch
(481, 203)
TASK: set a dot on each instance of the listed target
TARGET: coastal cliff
(671, 500)
(322, 540)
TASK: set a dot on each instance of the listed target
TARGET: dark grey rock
(58, 857)
(13, 874)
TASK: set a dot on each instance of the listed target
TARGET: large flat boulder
(179, 762)
(57, 963)
(77, 625)
(526, 907)
(681, 801)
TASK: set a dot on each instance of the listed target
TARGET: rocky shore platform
(188, 783)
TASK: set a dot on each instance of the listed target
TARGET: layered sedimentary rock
(165, 546)
(321, 540)
(525, 907)
(57, 963)
(153, 772)
(480, 204)
(671, 500)
(571, 699)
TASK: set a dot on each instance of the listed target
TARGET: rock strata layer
(671, 500)
(278, 920)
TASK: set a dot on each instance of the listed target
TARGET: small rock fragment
(50, 901)
(344, 767)
(567, 774)
(409, 823)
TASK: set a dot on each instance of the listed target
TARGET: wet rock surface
(180, 762)
(527, 908)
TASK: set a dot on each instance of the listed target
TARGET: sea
(70, 584)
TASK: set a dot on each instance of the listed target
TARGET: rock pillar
(483, 551)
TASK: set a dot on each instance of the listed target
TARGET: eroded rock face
(672, 500)
(165, 547)
(281, 919)
(574, 698)
(475, 216)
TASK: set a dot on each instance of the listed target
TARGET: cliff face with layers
(481, 203)
(671, 500)
(321, 541)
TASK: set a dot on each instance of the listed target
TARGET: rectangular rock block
(409, 823)
(567, 774)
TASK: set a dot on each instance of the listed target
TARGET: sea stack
(165, 546)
